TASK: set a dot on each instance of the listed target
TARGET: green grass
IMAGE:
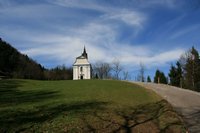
(83, 106)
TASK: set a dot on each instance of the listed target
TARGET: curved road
(185, 102)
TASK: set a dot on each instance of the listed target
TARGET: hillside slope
(14, 64)
(83, 106)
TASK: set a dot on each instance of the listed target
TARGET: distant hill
(13, 64)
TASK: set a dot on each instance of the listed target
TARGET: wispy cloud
(86, 4)
(59, 29)
(113, 4)
(129, 17)
(131, 57)
(186, 30)
(100, 41)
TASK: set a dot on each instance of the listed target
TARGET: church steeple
(84, 53)
(82, 67)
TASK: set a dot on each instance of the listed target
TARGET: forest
(13, 64)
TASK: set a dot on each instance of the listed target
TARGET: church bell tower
(82, 67)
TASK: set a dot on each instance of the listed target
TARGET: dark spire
(84, 53)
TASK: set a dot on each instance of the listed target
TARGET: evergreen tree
(192, 70)
(13, 64)
(172, 76)
(163, 78)
(96, 76)
(179, 72)
(148, 79)
(160, 77)
(175, 75)
(156, 77)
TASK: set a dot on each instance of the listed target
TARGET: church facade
(82, 67)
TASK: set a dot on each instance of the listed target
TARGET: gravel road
(185, 102)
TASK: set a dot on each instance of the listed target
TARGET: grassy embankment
(83, 106)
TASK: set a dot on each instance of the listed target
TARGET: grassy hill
(83, 106)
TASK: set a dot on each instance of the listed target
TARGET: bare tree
(117, 68)
(102, 69)
(126, 75)
(106, 70)
(141, 72)
(97, 70)
(183, 58)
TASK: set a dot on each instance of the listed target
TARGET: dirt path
(185, 102)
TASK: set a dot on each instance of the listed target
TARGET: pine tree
(160, 77)
(163, 78)
(148, 79)
(175, 75)
(179, 72)
(192, 70)
(157, 77)
(96, 76)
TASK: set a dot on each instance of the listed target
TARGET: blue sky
(54, 32)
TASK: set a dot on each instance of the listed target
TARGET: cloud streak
(129, 17)
(58, 30)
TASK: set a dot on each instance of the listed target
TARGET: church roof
(83, 59)
(84, 53)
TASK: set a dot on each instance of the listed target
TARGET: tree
(192, 70)
(148, 79)
(117, 68)
(102, 69)
(18, 65)
(141, 72)
(157, 77)
(59, 73)
(179, 71)
(175, 75)
(126, 75)
(160, 77)
(106, 70)
(96, 76)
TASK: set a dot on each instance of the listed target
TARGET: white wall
(77, 73)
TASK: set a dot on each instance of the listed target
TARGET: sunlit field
(83, 106)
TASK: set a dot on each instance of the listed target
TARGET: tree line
(104, 70)
(13, 64)
(184, 74)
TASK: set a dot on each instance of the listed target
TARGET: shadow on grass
(155, 118)
(94, 116)
(21, 120)
(191, 117)
(11, 95)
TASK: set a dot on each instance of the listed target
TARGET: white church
(82, 67)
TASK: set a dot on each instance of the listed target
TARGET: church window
(81, 69)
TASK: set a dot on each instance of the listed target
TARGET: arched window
(81, 68)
